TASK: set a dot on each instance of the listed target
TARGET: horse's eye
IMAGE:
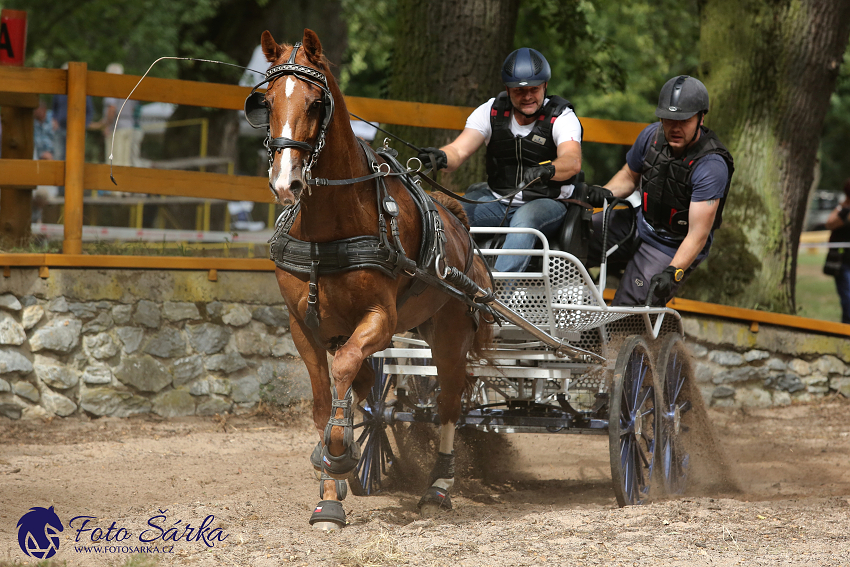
(316, 104)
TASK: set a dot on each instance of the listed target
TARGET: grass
(816, 294)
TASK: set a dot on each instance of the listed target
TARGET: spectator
(42, 132)
(839, 223)
(124, 148)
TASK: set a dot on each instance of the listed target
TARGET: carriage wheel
(674, 425)
(631, 423)
(377, 457)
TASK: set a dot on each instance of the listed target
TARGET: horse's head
(299, 107)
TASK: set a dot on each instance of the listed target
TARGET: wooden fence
(20, 86)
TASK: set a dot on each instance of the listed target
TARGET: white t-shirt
(566, 128)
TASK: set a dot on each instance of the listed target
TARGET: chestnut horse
(354, 313)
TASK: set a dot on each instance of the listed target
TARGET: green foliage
(365, 65)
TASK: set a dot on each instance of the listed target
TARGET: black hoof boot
(442, 479)
(328, 515)
(316, 457)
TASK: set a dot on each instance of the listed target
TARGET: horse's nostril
(297, 186)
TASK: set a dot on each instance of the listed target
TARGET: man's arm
(624, 182)
(700, 220)
(835, 219)
(463, 146)
(568, 162)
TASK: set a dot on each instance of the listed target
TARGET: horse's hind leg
(449, 346)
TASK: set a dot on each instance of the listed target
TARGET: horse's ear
(271, 49)
(312, 46)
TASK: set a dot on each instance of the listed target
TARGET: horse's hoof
(437, 497)
(327, 526)
(328, 512)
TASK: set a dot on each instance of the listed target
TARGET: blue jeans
(546, 215)
(842, 285)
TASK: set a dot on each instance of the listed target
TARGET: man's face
(679, 133)
(527, 100)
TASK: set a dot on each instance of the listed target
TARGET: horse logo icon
(38, 532)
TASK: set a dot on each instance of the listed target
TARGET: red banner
(13, 37)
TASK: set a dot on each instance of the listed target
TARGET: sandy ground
(547, 499)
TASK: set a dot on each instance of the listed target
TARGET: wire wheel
(674, 426)
(631, 423)
(377, 457)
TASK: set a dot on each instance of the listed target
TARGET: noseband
(257, 109)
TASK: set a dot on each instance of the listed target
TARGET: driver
(683, 173)
(529, 136)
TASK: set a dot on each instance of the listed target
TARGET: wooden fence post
(75, 157)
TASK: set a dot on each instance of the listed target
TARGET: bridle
(257, 109)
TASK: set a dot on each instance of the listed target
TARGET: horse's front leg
(374, 332)
(328, 513)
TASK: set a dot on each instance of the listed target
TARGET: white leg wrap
(447, 438)
(444, 483)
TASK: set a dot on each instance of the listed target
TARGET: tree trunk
(770, 68)
(449, 52)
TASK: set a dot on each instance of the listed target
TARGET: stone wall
(736, 366)
(173, 343)
(121, 342)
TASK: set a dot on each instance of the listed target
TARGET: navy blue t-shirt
(709, 181)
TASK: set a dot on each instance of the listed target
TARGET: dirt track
(547, 499)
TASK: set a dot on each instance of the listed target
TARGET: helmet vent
(510, 63)
(537, 62)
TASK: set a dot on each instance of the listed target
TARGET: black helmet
(525, 67)
(681, 97)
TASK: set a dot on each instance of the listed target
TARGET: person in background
(42, 132)
(839, 223)
(122, 149)
(42, 149)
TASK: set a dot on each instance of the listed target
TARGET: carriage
(363, 254)
(634, 385)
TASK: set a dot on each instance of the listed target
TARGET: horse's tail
(482, 344)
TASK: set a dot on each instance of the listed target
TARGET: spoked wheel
(674, 424)
(631, 423)
(377, 458)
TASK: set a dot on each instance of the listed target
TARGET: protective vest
(666, 182)
(508, 155)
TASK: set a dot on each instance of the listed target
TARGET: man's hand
(542, 172)
(662, 283)
(434, 158)
(597, 195)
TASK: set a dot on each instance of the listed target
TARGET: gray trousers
(642, 264)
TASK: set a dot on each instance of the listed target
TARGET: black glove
(434, 158)
(597, 195)
(663, 282)
(543, 172)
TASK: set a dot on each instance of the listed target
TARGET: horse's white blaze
(447, 438)
(290, 86)
(284, 175)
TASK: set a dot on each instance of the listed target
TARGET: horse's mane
(452, 206)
